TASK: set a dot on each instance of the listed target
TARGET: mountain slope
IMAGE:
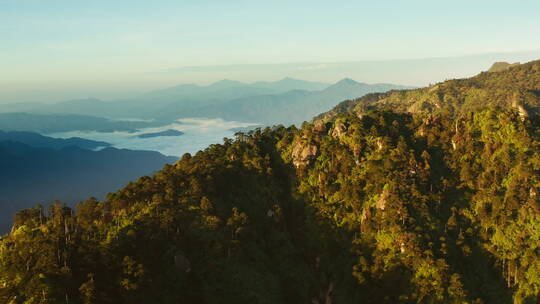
(433, 205)
(501, 66)
(57, 169)
(517, 87)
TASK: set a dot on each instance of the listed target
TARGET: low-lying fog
(198, 134)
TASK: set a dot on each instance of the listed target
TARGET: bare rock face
(422, 131)
(357, 149)
(366, 215)
(533, 192)
(339, 130)
(383, 200)
(426, 124)
(459, 130)
(303, 154)
(517, 103)
(502, 66)
(523, 114)
(402, 247)
(319, 127)
(380, 144)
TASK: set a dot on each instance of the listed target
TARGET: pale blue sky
(115, 46)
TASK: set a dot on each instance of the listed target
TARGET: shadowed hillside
(38, 169)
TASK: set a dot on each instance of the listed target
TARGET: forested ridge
(420, 196)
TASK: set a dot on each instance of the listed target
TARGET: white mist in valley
(198, 134)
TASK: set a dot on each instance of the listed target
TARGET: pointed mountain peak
(347, 81)
(287, 79)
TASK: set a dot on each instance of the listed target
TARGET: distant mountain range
(292, 107)
(51, 123)
(40, 141)
(169, 132)
(508, 86)
(287, 101)
(38, 169)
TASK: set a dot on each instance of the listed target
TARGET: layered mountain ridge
(287, 101)
(518, 86)
(411, 196)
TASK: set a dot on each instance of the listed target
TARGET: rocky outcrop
(424, 127)
(533, 192)
(319, 127)
(454, 144)
(303, 154)
(502, 66)
(522, 112)
(459, 131)
(383, 200)
(402, 247)
(517, 103)
(380, 144)
(339, 130)
(366, 215)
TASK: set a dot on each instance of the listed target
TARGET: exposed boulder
(522, 112)
(380, 144)
(339, 130)
(319, 127)
(303, 154)
(517, 103)
(502, 66)
(426, 124)
(454, 144)
(366, 215)
(533, 192)
(383, 200)
(402, 248)
(459, 130)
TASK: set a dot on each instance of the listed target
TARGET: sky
(60, 49)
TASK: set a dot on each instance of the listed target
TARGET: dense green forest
(420, 196)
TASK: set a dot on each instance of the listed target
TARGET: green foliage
(435, 206)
